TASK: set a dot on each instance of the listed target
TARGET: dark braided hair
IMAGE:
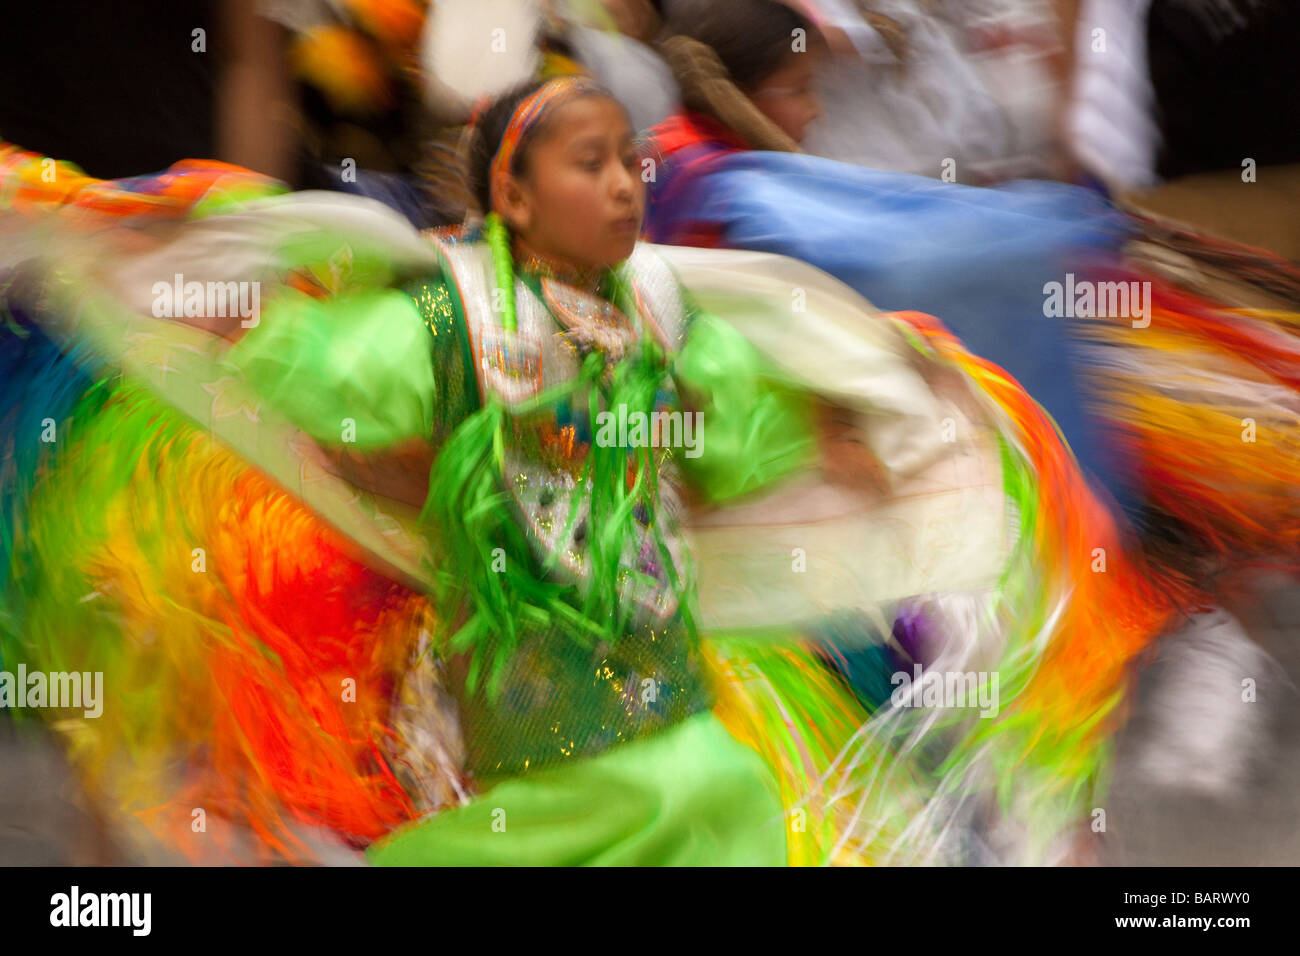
(751, 37)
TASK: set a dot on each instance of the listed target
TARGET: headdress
(531, 111)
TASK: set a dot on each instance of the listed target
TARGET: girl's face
(581, 197)
(788, 97)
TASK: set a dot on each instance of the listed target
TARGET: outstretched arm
(375, 381)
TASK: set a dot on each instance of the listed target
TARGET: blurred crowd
(1125, 94)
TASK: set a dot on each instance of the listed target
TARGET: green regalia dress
(373, 567)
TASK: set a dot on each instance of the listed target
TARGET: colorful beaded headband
(530, 112)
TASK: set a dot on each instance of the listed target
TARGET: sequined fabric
(591, 323)
(554, 509)
(563, 700)
(455, 392)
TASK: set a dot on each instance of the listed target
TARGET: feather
(476, 48)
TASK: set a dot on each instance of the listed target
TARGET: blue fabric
(976, 258)
(38, 382)
(849, 644)
(398, 192)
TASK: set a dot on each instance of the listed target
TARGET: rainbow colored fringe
(31, 184)
(1109, 604)
(1075, 609)
(1206, 400)
(249, 657)
(800, 717)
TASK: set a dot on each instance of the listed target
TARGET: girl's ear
(512, 203)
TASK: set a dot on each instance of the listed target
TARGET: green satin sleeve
(691, 795)
(357, 369)
(756, 428)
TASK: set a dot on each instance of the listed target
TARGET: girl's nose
(626, 181)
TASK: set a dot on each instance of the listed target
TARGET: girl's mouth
(628, 224)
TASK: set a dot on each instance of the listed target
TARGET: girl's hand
(845, 459)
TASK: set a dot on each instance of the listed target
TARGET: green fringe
(469, 514)
(498, 240)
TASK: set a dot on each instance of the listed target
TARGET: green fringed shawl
(492, 587)
(396, 365)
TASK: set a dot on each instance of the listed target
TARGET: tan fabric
(940, 522)
(706, 87)
(1262, 213)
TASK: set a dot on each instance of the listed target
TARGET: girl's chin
(625, 248)
(613, 256)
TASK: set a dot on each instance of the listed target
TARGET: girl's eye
(592, 165)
